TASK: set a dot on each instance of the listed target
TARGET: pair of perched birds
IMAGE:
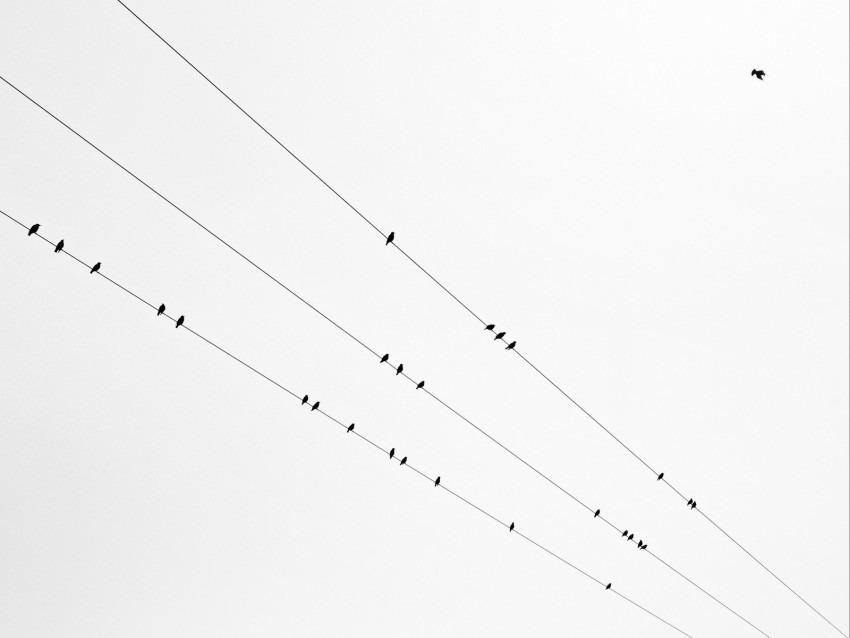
(161, 310)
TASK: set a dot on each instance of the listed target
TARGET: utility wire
(345, 427)
(461, 303)
(410, 379)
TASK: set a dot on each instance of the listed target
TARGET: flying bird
(403, 461)
(421, 384)
(511, 528)
(660, 476)
(33, 229)
(499, 336)
(315, 406)
(390, 238)
(437, 482)
(631, 536)
(624, 534)
(305, 399)
(350, 428)
(94, 268)
(180, 321)
(511, 345)
(489, 326)
(597, 513)
(385, 358)
(160, 310)
(759, 74)
(399, 369)
(59, 246)
(392, 453)
(608, 586)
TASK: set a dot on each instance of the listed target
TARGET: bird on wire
(644, 546)
(624, 534)
(399, 369)
(690, 500)
(597, 513)
(511, 528)
(660, 476)
(94, 268)
(499, 336)
(160, 310)
(385, 358)
(631, 536)
(390, 238)
(180, 321)
(315, 406)
(403, 461)
(693, 505)
(305, 399)
(420, 385)
(489, 326)
(608, 586)
(511, 345)
(350, 428)
(33, 229)
(392, 453)
(59, 246)
(759, 74)
(437, 482)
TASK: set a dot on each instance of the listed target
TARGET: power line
(413, 381)
(346, 428)
(461, 303)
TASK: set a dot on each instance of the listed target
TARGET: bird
(640, 543)
(690, 500)
(499, 336)
(608, 586)
(511, 345)
(597, 513)
(644, 546)
(180, 321)
(631, 536)
(392, 453)
(489, 326)
(305, 399)
(660, 476)
(624, 534)
(315, 406)
(403, 461)
(59, 246)
(437, 482)
(511, 528)
(399, 369)
(421, 384)
(33, 229)
(94, 268)
(390, 238)
(160, 310)
(693, 505)
(385, 358)
(350, 428)
(759, 74)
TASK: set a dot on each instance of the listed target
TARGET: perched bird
(644, 546)
(624, 534)
(693, 505)
(420, 385)
(690, 500)
(511, 528)
(305, 399)
(597, 513)
(403, 461)
(392, 453)
(499, 336)
(94, 268)
(180, 321)
(660, 476)
(350, 428)
(759, 74)
(437, 482)
(640, 544)
(489, 326)
(315, 406)
(33, 229)
(59, 246)
(385, 358)
(160, 310)
(608, 586)
(631, 536)
(511, 345)
(399, 369)
(390, 238)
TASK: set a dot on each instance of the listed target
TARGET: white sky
(664, 235)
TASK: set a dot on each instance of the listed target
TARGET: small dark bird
(489, 326)
(390, 238)
(631, 537)
(403, 461)
(399, 369)
(608, 586)
(59, 246)
(597, 513)
(392, 453)
(350, 428)
(94, 268)
(759, 74)
(385, 358)
(511, 345)
(660, 476)
(437, 482)
(305, 399)
(644, 546)
(33, 229)
(511, 528)
(690, 500)
(420, 385)
(180, 321)
(624, 534)
(640, 544)
(693, 505)
(499, 336)
(160, 310)
(315, 406)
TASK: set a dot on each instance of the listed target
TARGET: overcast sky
(663, 234)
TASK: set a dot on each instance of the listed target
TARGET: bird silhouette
(160, 310)
(690, 500)
(421, 384)
(305, 399)
(385, 358)
(399, 369)
(511, 528)
(608, 586)
(315, 406)
(660, 476)
(693, 505)
(350, 428)
(640, 543)
(511, 345)
(597, 513)
(390, 238)
(759, 74)
(644, 546)
(631, 536)
(94, 268)
(489, 326)
(59, 246)
(180, 321)
(624, 534)
(33, 229)
(403, 461)
(437, 482)
(392, 453)
(499, 336)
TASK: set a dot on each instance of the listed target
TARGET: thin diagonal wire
(337, 325)
(341, 424)
(447, 291)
